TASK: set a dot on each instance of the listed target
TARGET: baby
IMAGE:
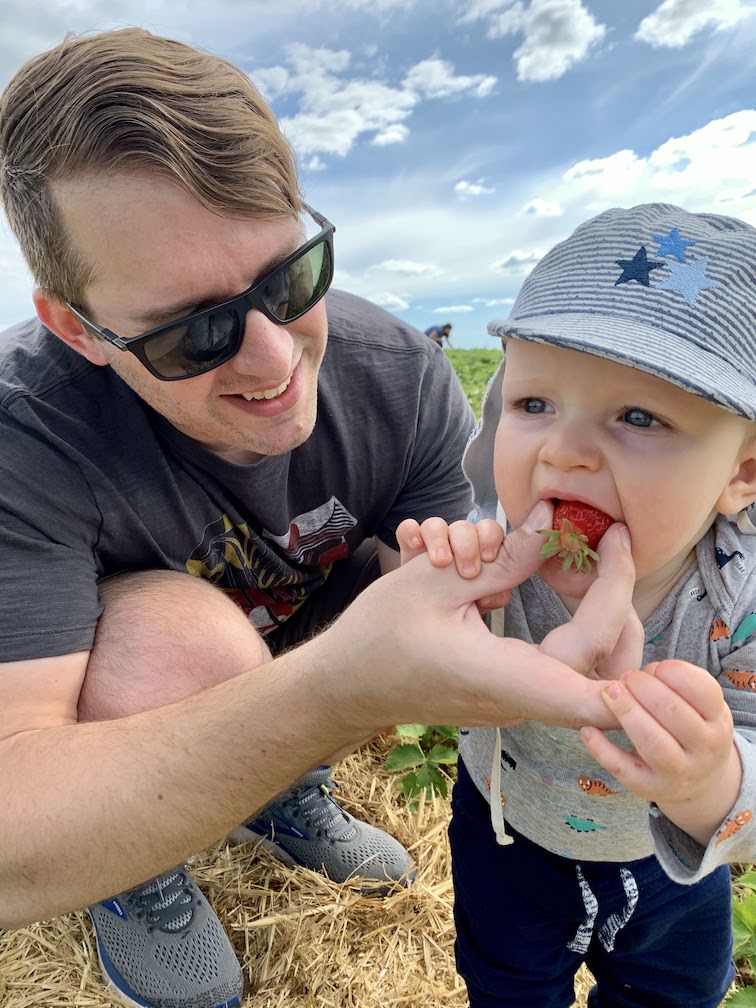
(627, 394)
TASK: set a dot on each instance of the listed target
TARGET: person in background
(439, 333)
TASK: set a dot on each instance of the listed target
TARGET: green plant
(744, 934)
(474, 368)
(430, 748)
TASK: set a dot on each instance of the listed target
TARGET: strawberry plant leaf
(442, 754)
(411, 730)
(404, 757)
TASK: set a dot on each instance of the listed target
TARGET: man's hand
(587, 645)
(683, 757)
(418, 651)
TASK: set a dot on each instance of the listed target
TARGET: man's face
(154, 247)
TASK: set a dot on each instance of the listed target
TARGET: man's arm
(91, 809)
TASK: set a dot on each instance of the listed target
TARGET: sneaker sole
(121, 991)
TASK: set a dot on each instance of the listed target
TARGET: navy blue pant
(517, 908)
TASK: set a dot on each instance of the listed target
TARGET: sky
(453, 142)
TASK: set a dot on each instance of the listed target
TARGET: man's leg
(305, 825)
(164, 636)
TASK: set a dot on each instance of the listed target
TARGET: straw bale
(303, 941)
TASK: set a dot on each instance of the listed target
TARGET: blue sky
(452, 143)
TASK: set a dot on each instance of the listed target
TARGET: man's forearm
(92, 809)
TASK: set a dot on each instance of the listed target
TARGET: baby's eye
(639, 418)
(533, 405)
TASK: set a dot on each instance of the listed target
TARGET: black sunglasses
(206, 339)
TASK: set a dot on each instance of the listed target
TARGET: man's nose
(267, 348)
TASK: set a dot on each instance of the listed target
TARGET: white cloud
(558, 33)
(465, 188)
(518, 260)
(460, 309)
(492, 302)
(714, 165)
(434, 78)
(542, 208)
(336, 111)
(314, 164)
(395, 133)
(479, 9)
(271, 81)
(391, 302)
(406, 266)
(675, 22)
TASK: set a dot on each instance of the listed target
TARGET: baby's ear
(740, 492)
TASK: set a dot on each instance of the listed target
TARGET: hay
(303, 942)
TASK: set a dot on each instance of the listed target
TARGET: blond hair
(130, 100)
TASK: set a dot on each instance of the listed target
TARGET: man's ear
(740, 492)
(54, 314)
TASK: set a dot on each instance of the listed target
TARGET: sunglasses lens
(193, 348)
(290, 292)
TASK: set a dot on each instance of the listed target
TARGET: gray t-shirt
(553, 791)
(94, 482)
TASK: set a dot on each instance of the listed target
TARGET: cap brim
(655, 351)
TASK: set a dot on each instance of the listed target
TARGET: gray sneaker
(306, 826)
(161, 946)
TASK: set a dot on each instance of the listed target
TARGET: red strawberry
(575, 533)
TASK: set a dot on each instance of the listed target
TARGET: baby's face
(647, 453)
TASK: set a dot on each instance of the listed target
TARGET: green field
(474, 369)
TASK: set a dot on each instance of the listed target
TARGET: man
(439, 333)
(156, 424)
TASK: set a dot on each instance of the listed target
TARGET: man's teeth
(268, 394)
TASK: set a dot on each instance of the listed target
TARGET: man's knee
(162, 636)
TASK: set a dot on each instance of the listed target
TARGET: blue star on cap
(689, 279)
(638, 268)
(672, 244)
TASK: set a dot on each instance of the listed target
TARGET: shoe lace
(166, 903)
(319, 810)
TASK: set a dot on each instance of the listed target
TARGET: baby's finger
(660, 727)
(694, 684)
(463, 539)
(490, 538)
(626, 767)
(409, 539)
(435, 535)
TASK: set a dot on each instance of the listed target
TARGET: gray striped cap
(655, 288)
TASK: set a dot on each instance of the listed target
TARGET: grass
(474, 369)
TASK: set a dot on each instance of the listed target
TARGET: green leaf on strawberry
(574, 535)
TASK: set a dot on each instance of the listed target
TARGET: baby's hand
(683, 755)
(466, 543)
(462, 541)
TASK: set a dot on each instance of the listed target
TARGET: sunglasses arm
(106, 334)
